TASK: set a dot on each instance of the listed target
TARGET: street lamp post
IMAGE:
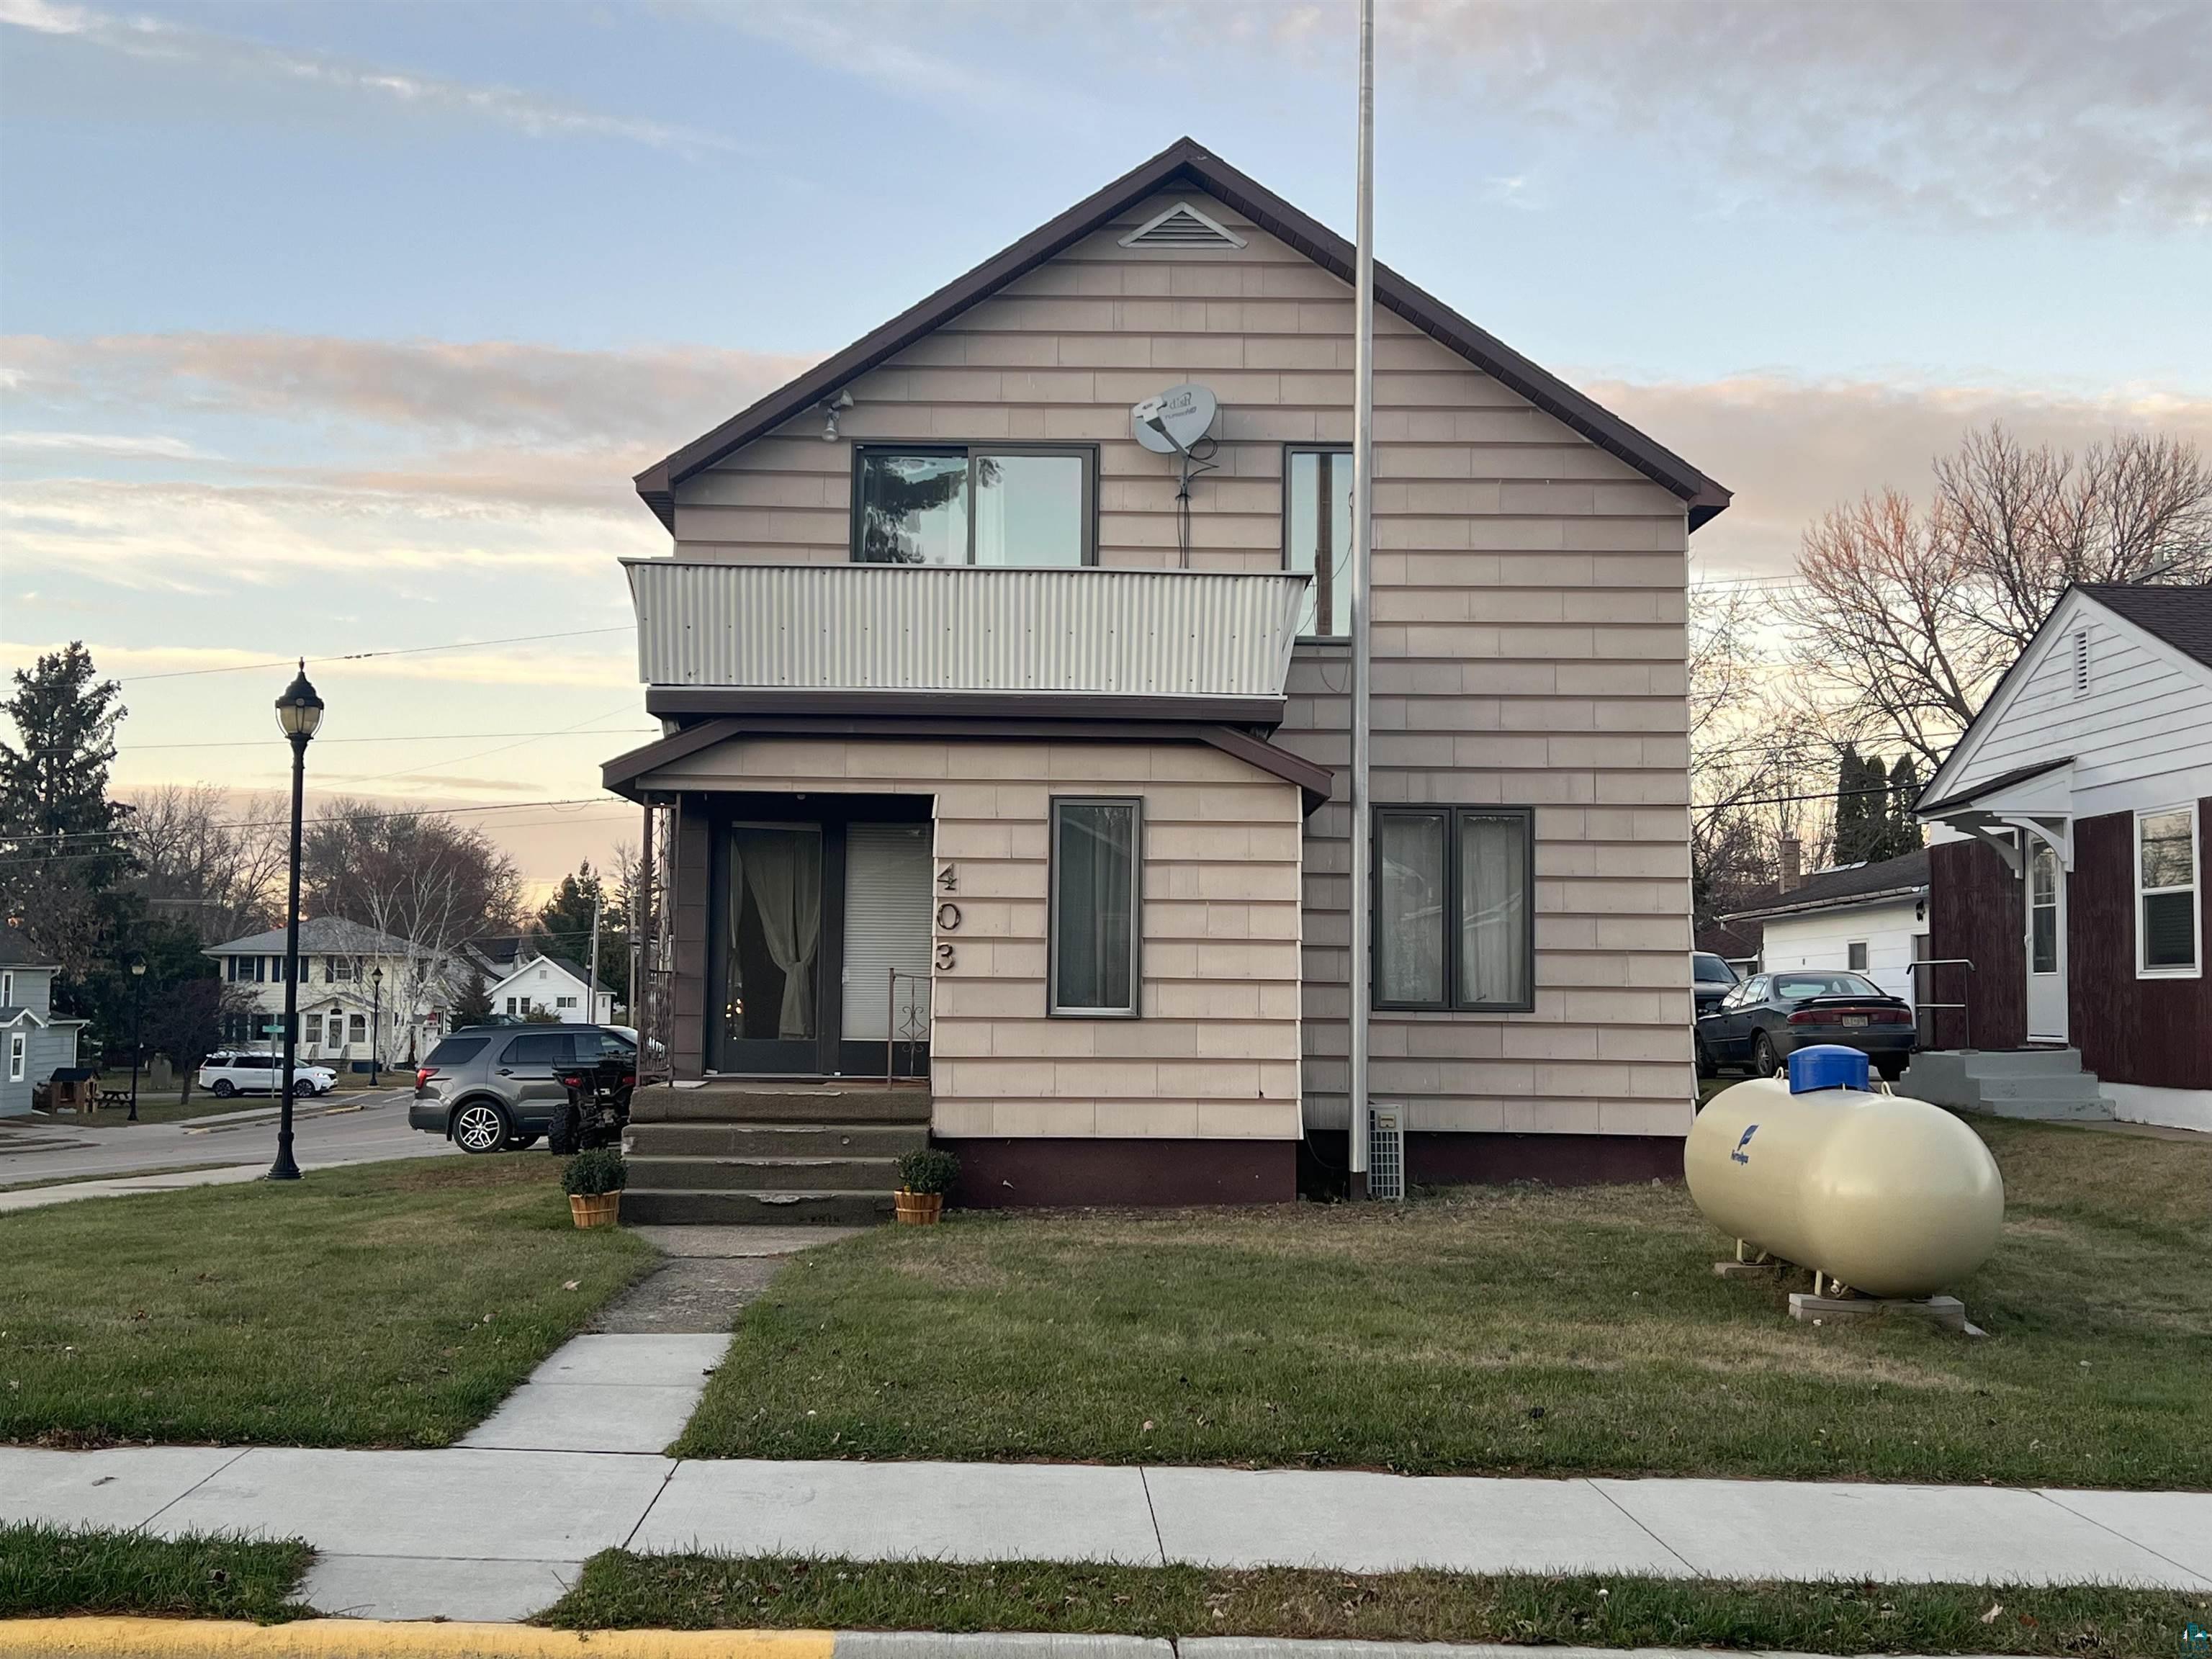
(376, 1027)
(299, 713)
(137, 1025)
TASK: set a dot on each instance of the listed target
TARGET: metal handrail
(1966, 1017)
(915, 1031)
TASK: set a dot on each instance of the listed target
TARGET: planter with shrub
(593, 1181)
(925, 1177)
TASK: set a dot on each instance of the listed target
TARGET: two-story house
(989, 722)
(362, 992)
(37, 1040)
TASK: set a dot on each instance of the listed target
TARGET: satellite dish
(1171, 422)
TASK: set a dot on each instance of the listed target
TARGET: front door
(772, 1005)
(2046, 945)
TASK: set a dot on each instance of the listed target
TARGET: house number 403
(948, 915)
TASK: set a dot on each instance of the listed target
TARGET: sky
(339, 329)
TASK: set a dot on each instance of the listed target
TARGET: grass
(1521, 1330)
(690, 1592)
(115, 1174)
(390, 1305)
(53, 1572)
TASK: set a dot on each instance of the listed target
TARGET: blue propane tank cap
(1826, 1066)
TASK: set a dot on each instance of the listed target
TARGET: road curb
(366, 1638)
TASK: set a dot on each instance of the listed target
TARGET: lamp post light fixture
(137, 1026)
(300, 713)
(375, 1027)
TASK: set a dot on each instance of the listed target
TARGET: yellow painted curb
(368, 1638)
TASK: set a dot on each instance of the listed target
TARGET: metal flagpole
(592, 973)
(1363, 547)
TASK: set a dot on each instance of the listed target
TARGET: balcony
(736, 638)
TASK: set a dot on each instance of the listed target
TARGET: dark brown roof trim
(621, 774)
(1974, 791)
(1187, 160)
(675, 701)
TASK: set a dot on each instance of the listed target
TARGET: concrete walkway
(485, 1533)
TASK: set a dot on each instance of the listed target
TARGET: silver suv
(497, 1088)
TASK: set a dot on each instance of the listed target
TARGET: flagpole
(1363, 532)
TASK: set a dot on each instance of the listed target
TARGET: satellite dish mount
(1180, 423)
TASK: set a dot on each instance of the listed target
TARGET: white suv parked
(225, 1074)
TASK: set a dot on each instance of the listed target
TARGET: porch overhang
(630, 775)
(2032, 803)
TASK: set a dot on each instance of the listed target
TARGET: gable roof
(2182, 617)
(1187, 161)
(320, 936)
(1905, 877)
(1974, 791)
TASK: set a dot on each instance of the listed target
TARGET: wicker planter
(918, 1209)
(596, 1210)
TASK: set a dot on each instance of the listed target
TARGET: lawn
(691, 1592)
(392, 1305)
(1519, 1330)
(53, 1572)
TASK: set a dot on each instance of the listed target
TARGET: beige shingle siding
(1216, 1051)
(1529, 627)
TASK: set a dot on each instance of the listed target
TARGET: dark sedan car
(1711, 978)
(1770, 1016)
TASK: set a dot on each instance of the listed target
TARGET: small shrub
(930, 1169)
(591, 1174)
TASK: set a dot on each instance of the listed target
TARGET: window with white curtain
(312, 1031)
(1453, 909)
(2168, 919)
(1098, 900)
(357, 1028)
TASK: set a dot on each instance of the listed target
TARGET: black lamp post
(375, 1027)
(299, 712)
(137, 1025)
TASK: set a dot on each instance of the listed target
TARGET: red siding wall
(1974, 910)
(2153, 1032)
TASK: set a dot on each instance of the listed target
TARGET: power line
(406, 737)
(366, 656)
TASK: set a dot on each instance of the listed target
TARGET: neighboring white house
(34, 1040)
(353, 984)
(550, 985)
(1870, 917)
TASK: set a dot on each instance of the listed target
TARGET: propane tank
(1889, 1195)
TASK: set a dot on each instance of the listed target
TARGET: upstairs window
(2168, 917)
(1317, 535)
(996, 505)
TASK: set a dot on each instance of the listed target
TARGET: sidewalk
(484, 1532)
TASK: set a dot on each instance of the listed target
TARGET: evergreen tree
(1903, 831)
(563, 927)
(472, 1003)
(1852, 812)
(62, 855)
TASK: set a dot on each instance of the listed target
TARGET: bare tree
(418, 878)
(1905, 618)
(216, 864)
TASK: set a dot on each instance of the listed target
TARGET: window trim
(1291, 450)
(970, 449)
(1453, 924)
(1862, 947)
(2195, 890)
(19, 1050)
(1053, 1007)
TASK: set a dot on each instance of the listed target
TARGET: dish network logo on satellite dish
(1172, 422)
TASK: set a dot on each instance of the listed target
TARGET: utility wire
(366, 656)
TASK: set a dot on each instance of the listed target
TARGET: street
(360, 1129)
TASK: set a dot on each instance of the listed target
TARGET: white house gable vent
(2080, 662)
(1183, 226)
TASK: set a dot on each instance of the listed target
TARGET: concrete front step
(798, 1102)
(2098, 1110)
(2020, 1062)
(650, 1207)
(733, 1174)
(776, 1140)
(2047, 1084)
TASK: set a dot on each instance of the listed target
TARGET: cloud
(1792, 448)
(205, 52)
(654, 397)
(117, 445)
(1971, 111)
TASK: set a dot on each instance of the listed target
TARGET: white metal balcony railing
(965, 629)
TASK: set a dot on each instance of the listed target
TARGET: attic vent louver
(2081, 662)
(1183, 226)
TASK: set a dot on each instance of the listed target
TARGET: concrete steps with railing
(2046, 1084)
(772, 1154)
